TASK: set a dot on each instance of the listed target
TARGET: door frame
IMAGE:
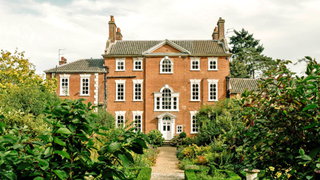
(172, 124)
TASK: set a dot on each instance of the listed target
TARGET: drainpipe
(106, 88)
(227, 86)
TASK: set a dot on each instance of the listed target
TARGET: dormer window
(120, 64)
(166, 66)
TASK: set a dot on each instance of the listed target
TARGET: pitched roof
(192, 46)
(82, 65)
(238, 85)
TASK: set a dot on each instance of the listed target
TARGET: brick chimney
(118, 34)
(215, 34)
(220, 28)
(63, 61)
(112, 29)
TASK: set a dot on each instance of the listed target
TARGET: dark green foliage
(177, 141)
(155, 137)
(247, 59)
(104, 119)
(182, 135)
(64, 152)
(219, 119)
(213, 174)
(282, 122)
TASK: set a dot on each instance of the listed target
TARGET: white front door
(166, 130)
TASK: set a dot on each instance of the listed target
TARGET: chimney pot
(118, 30)
(111, 18)
(63, 61)
(215, 34)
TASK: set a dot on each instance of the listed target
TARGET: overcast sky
(288, 29)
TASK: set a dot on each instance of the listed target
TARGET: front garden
(275, 130)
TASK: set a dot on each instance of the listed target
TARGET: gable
(166, 49)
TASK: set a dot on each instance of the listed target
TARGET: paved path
(166, 167)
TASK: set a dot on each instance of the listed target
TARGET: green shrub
(64, 151)
(155, 137)
(282, 122)
(145, 174)
(104, 119)
(182, 135)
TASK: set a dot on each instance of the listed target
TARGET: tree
(282, 122)
(248, 60)
(15, 70)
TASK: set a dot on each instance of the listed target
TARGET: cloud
(287, 29)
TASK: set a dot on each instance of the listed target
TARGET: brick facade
(176, 78)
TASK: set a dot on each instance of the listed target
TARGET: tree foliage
(15, 70)
(64, 152)
(248, 60)
(282, 122)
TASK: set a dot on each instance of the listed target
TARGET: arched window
(166, 66)
(166, 100)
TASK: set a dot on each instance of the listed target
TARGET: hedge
(189, 174)
(144, 174)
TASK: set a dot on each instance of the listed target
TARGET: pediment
(166, 47)
(166, 114)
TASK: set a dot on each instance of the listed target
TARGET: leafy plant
(155, 137)
(182, 135)
(283, 119)
(64, 152)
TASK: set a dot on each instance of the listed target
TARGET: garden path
(166, 167)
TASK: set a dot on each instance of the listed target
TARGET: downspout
(227, 86)
(106, 88)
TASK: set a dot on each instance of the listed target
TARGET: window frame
(137, 81)
(120, 113)
(84, 76)
(212, 59)
(194, 59)
(174, 99)
(64, 76)
(213, 81)
(124, 64)
(135, 60)
(193, 114)
(178, 129)
(197, 82)
(171, 64)
(117, 89)
(137, 113)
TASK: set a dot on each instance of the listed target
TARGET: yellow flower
(288, 176)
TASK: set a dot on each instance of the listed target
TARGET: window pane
(166, 99)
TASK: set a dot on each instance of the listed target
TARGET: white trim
(192, 82)
(139, 59)
(64, 76)
(137, 81)
(159, 95)
(171, 63)
(170, 43)
(196, 59)
(137, 113)
(84, 76)
(178, 129)
(120, 113)
(214, 59)
(172, 124)
(96, 91)
(124, 64)
(124, 89)
(213, 81)
(192, 113)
